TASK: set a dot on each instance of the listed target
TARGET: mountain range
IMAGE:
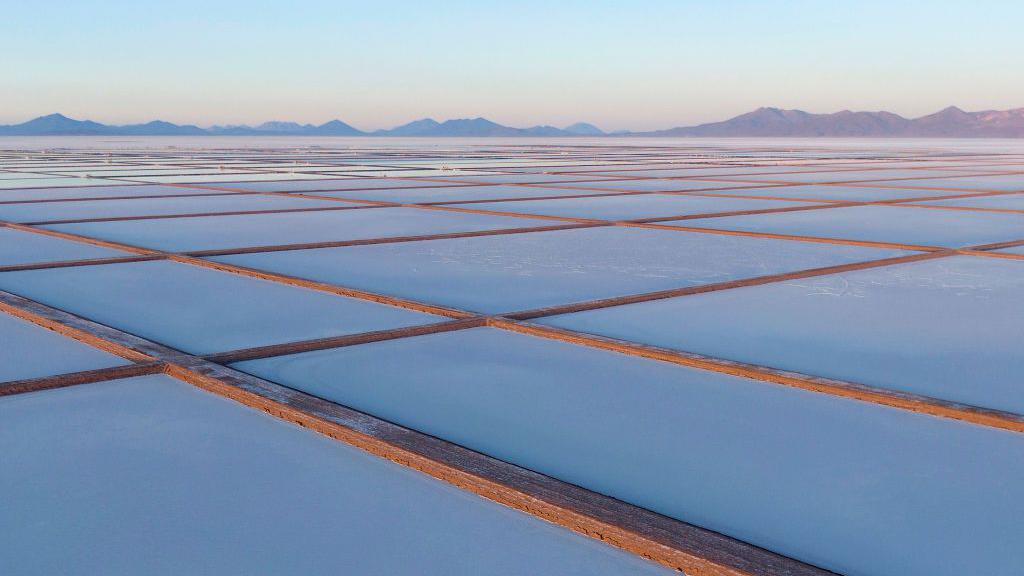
(950, 122)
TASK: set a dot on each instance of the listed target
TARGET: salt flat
(512, 356)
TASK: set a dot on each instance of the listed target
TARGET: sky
(620, 65)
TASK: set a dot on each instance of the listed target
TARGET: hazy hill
(584, 129)
(56, 124)
(157, 128)
(463, 127)
(467, 127)
(950, 122)
(416, 128)
(954, 122)
(278, 128)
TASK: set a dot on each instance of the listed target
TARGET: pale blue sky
(644, 64)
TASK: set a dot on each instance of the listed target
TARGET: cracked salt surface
(19, 248)
(1008, 183)
(37, 212)
(1004, 202)
(949, 328)
(454, 194)
(226, 232)
(850, 486)
(635, 206)
(200, 310)
(96, 192)
(152, 476)
(30, 351)
(863, 193)
(916, 226)
(858, 176)
(523, 271)
(326, 184)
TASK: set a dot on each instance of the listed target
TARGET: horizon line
(256, 124)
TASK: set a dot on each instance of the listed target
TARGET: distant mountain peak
(584, 129)
(280, 126)
(771, 122)
(477, 120)
(335, 128)
(478, 127)
(55, 117)
(55, 124)
(414, 128)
